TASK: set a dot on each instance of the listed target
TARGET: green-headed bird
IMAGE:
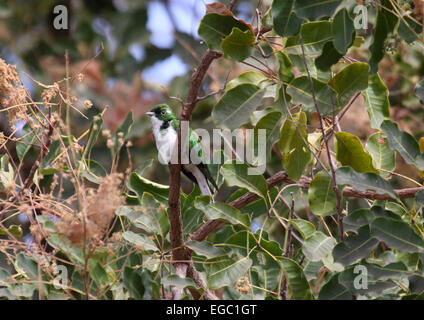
(165, 130)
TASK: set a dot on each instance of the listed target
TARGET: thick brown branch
(196, 82)
(180, 253)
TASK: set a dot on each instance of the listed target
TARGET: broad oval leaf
(321, 196)
(297, 284)
(349, 152)
(383, 157)
(214, 27)
(221, 211)
(397, 234)
(305, 228)
(318, 246)
(364, 181)
(225, 271)
(403, 143)
(300, 91)
(139, 185)
(314, 36)
(238, 44)
(236, 105)
(140, 240)
(355, 247)
(376, 98)
(350, 80)
(333, 290)
(419, 91)
(241, 175)
(286, 22)
(343, 31)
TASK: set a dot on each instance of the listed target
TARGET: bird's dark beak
(150, 114)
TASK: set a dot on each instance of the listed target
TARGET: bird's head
(162, 112)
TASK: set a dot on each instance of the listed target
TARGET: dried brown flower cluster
(242, 285)
(93, 222)
(13, 95)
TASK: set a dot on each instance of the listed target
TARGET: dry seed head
(106, 133)
(98, 211)
(110, 143)
(87, 104)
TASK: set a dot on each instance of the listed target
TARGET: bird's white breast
(165, 140)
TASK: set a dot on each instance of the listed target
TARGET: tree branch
(179, 252)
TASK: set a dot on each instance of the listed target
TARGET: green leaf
(243, 242)
(358, 218)
(318, 246)
(376, 98)
(286, 22)
(313, 10)
(5, 277)
(333, 290)
(224, 271)
(205, 248)
(139, 185)
(419, 197)
(329, 57)
(150, 216)
(321, 196)
(403, 143)
(271, 122)
(285, 69)
(181, 283)
(349, 152)
(314, 36)
(350, 80)
(305, 228)
(238, 44)
(214, 27)
(52, 154)
(243, 176)
(133, 282)
(297, 284)
(409, 30)
(25, 143)
(362, 182)
(221, 211)
(343, 31)
(355, 247)
(92, 171)
(383, 157)
(140, 240)
(397, 234)
(27, 265)
(395, 270)
(93, 133)
(300, 91)
(347, 279)
(386, 22)
(98, 273)
(296, 156)
(419, 91)
(236, 105)
(248, 77)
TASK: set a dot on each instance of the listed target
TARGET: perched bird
(165, 130)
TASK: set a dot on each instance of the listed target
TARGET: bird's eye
(163, 112)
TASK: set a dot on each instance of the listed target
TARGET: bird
(165, 131)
